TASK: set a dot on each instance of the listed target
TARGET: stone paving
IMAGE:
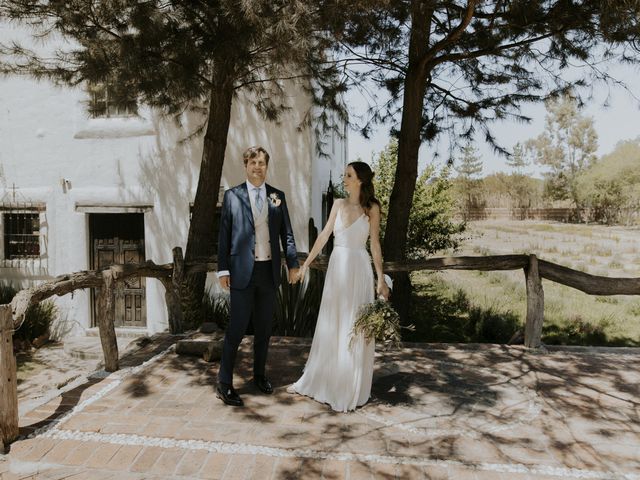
(436, 412)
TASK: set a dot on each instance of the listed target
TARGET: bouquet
(380, 322)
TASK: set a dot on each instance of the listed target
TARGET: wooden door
(118, 238)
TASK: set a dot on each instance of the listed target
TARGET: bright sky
(620, 120)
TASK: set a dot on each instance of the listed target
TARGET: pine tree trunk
(395, 239)
(202, 229)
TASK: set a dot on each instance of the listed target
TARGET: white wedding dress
(337, 373)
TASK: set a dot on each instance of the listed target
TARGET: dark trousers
(258, 298)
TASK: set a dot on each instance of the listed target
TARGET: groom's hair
(253, 152)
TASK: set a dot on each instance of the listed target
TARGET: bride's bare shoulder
(373, 210)
(337, 203)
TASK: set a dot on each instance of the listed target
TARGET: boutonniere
(275, 199)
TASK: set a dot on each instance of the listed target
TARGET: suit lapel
(243, 194)
(268, 190)
(272, 208)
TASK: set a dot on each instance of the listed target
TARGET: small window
(107, 100)
(21, 235)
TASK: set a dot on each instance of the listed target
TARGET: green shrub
(488, 325)
(576, 331)
(442, 314)
(37, 321)
(38, 317)
(7, 292)
(297, 305)
(432, 225)
(611, 186)
(216, 308)
(296, 308)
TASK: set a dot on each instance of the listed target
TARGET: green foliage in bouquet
(380, 322)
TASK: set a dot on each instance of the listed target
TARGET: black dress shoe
(263, 384)
(228, 395)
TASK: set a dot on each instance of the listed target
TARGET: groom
(254, 217)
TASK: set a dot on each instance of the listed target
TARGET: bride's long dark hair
(367, 190)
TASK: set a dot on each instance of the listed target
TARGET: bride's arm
(322, 239)
(376, 250)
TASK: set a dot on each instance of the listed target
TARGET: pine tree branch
(451, 37)
(454, 57)
(367, 60)
(100, 27)
(270, 80)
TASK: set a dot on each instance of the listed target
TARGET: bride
(336, 372)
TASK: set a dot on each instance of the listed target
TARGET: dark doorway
(118, 238)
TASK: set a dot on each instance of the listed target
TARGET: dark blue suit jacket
(236, 239)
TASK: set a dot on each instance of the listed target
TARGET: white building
(84, 182)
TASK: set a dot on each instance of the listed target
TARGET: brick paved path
(437, 412)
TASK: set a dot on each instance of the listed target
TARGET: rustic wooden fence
(172, 274)
(620, 216)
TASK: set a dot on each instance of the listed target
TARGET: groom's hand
(294, 275)
(225, 282)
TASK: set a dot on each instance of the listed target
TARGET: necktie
(258, 199)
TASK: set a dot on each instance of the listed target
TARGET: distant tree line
(610, 188)
(602, 190)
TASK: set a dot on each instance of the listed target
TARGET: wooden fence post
(535, 305)
(8, 380)
(172, 292)
(106, 318)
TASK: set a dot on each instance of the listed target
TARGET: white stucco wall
(51, 152)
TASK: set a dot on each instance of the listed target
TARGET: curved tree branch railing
(171, 275)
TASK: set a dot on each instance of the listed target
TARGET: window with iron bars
(107, 101)
(21, 234)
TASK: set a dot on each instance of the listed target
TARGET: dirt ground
(47, 371)
(49, 367)
(597, 249)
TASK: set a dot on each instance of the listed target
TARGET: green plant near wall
(216, 308)
(296, 309)
(297, 306)
(38, 317)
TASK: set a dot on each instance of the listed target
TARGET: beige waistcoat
(261, 223)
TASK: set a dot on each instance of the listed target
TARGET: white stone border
(53, 431)
(249, 449)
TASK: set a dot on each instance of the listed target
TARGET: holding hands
(294, 275)
(225, 282)
(297, 274)
(303, 272)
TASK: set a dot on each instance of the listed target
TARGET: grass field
(491, 306)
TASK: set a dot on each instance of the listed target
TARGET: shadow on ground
(455, 405)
